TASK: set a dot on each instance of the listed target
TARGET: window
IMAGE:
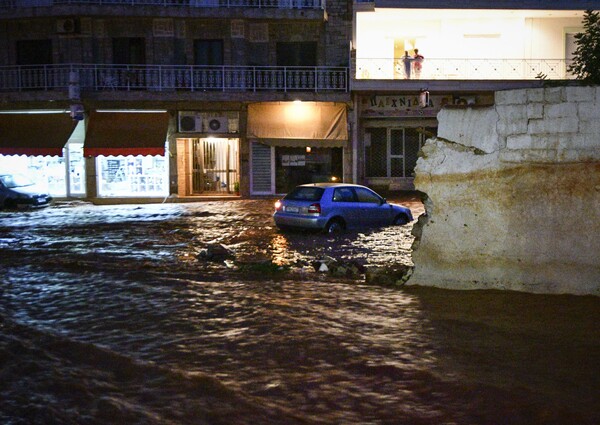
(34, 52)
(306, 194)
(365, 195)
(129, 51)
(208, 52)
(343, 194)
(297, 54)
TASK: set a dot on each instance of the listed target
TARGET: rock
(393, 275)
(215, 252)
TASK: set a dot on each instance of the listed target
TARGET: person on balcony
(407, 61)
(418, 59)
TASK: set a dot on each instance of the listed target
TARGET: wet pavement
(111, 314)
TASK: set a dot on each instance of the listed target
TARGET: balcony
(457, 74)
(169, 78)
(466, 69)
(256, 4)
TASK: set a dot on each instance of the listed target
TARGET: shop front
(294, 143)
(47, 146)
(127, 154)
(208, 151)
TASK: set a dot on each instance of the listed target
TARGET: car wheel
(334, 227)
(400, 220)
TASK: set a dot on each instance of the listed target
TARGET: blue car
(18, 191)
(334, 207)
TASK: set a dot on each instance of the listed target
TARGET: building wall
(513, 194)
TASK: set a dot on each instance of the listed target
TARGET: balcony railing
(278, 4)
(170, 78)
(465, 69)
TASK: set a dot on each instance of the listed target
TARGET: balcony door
(297, 54)
(129, 51)
(208, 52)
(34, 52)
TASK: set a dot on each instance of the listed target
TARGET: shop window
(47, 171)
(132, 176)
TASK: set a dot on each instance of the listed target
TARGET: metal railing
(464, 69)
(174, 77)
(277, 4)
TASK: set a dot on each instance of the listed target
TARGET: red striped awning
(35, 133)
(126, 133)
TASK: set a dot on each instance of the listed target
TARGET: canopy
(35, 133)
(126, 133)
(319, 124)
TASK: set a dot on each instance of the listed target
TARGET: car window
(343, 194)
(365, 195)
(304, 193)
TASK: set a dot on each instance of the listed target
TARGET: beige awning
(318, 124)
(35, 133)
(126, 133)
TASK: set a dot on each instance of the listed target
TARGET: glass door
(215, 165)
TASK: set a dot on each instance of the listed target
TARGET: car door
(374, 211)
(344, 203)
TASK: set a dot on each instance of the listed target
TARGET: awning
(35, 133)
(297, 124)
(126, 133)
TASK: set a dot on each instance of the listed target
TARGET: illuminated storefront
(294, 143)
(47, 146)
(129, 153)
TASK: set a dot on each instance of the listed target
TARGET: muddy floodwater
(114, 315)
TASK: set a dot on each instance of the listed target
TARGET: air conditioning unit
(190, 122)
(68, 26)
(216, 125)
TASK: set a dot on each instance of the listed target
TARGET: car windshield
(305, 193)
(15, 180)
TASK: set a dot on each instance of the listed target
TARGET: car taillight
(277, 205)
(314, 208)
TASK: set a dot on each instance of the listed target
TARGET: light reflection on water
(109, 317)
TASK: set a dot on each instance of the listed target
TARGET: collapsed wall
(513, 195)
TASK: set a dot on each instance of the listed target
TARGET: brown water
(107, 315)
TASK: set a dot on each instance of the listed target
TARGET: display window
(129, 176)
(47, 171)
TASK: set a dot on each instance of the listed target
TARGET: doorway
(215, 168)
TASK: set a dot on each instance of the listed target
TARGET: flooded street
(112, 314)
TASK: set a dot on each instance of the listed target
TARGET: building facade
(184, 98)
(411, 58)
(157, 98)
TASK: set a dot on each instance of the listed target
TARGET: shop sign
(293, 160)
(402, 106)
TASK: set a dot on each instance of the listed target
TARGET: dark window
(129, 51)
(34, 52)
(297, 54)
(305, 194)
(208, 52)
(343, 194)
(365, 195)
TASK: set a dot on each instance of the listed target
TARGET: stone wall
(513, 195)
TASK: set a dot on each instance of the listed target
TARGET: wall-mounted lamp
(308, 149)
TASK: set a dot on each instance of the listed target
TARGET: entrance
(215, 165)
(393, 152)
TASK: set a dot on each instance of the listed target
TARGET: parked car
(18, 191)
(333, 207)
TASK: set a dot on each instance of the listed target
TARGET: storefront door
(215, 165)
